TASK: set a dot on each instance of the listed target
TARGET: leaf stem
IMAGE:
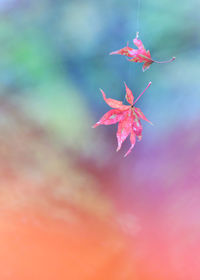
(142, 93)
(167, 61)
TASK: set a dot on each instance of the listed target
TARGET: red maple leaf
(140, 55)
(128, 117)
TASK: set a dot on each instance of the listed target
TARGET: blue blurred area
(54, 59)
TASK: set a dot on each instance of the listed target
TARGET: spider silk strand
(138, 16)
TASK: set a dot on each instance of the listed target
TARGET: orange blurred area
(43, 248)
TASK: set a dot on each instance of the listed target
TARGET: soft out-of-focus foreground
(71, 207)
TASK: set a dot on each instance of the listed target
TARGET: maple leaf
(140, 54)
(128, 117)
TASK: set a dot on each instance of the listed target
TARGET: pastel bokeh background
(71, 207)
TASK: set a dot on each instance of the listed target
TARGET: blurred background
(71, 207)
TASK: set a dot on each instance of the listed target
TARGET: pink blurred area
(63, 216)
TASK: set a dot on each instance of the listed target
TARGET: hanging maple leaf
(140, 55)
(128, 117)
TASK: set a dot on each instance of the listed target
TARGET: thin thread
(130, 78)
(138, 17)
